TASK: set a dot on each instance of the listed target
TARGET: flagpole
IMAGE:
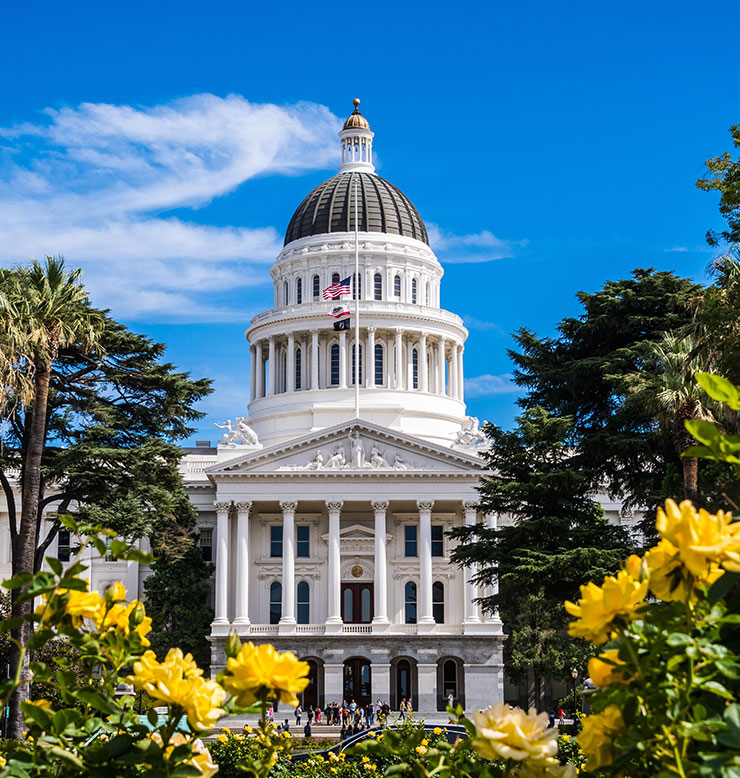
(357, 312)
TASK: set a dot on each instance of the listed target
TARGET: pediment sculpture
(470, 434)
(356, 458)
(238, 434)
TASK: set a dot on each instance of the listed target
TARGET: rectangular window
(354, 349)
(316, 287)
(298, 367)
(411, 547)
(334, 364)
(276, 540)
(378, 286)
(205, 541)
(302, 546)
(64, 548)
(378, 364)
(437, 540)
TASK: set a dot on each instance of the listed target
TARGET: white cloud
(92, 182)
(677, 249)
(481, 246)
(483, 385)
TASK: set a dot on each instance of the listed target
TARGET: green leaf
(117, 745)
(719, 388)
(38, 715)
(55, 565)
(18, 580)
(186, 771)
(716, 688)
(705, 432)
(679, 639)
(722, 586)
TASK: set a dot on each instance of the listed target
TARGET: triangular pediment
(351, 448)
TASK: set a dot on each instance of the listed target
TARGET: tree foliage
(724, 177)
(554, 537)
(581, 374)
(177, 601)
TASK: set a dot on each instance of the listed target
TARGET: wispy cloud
(677, 249)
(473, 323)
(483, 385)
(481, 246)
(92, 183)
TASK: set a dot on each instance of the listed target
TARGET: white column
(288, 615)
(453, 370)
(370, 351)
(381, 571)
(241, 611)
(423, 363)
(426, 615)
(314, 359)
(492, 618)
(260, 371)
(222, 563)
(343, 359)
(334, 611)
(399, 359)
(441, 367)
(472, 609)
(252, 373)
(271, 371)
(290, 365)
(460, 375)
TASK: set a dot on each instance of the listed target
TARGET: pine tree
(554, 539)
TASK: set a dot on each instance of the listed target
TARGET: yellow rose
(597, 737)
(668, 577)
(115, 592)
(118, 619)
(600, 606)
(437, 730)
(505, 733)
(201, 758)
(258, 672)
(178, 681)
(701, 538)
(42, 703)
(421, 749)
(606, 669)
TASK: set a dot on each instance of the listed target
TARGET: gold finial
(356, 103)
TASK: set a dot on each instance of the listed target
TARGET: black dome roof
(331, 208)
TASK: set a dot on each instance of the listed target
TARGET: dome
(331, 208)
(356, 121)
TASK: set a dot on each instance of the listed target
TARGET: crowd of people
(351, 717)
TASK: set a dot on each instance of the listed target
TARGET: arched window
(438, 602)
(316, 283)
(397, 286)
(283, 377)
(335, 278)
(354, 348)
(409, 597)
(413, 290)
(299, 290)
(378, 364)
(378, 286)
(276, 602)
(285, 293)
(356, 286)
(298, 367)
(449, 680)
(334, 364)
(303, 603)
(415, 368)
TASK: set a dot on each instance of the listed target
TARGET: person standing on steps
(298, 714)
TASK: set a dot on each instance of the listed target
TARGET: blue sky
(163, 147)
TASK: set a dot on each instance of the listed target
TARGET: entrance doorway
(357, 603)
(310, 694)
(357, 681)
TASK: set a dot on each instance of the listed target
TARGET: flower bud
(233, 645)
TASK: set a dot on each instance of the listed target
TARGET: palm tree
(43, 308)
(669, 391)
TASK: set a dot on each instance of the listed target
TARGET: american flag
(335, 290)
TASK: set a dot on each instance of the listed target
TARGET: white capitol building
(326, 507)
(330, 527)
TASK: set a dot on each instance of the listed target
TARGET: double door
(357, 603)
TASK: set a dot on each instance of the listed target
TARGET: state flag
(339, 310)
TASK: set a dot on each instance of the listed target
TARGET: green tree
(580, 374)
(177, 601)
(724, 177)
(90, 415)
(666, 388)
(556, 540)
(43, 309)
